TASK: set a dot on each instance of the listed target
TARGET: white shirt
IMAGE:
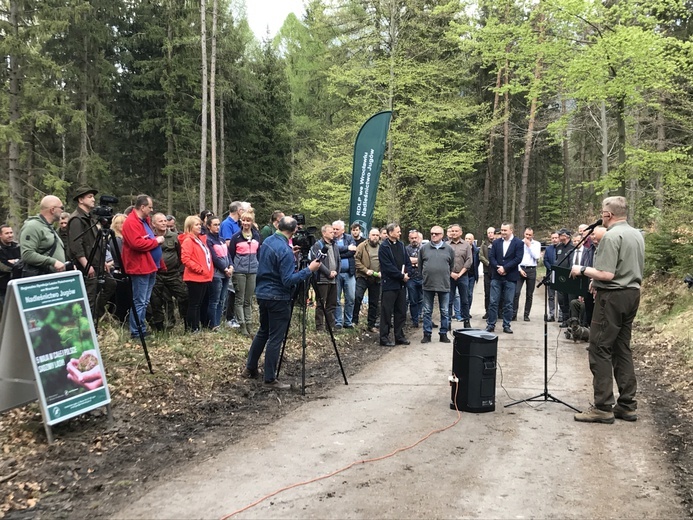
(506, 244)
(531, 254)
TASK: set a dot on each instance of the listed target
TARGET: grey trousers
(245, 288)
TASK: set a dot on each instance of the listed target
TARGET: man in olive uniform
(616, 277)
(169, 282)
(84, 234)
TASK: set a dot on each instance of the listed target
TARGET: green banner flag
(369, 150)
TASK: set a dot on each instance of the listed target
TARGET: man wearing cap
(564, 253)
(83, 235)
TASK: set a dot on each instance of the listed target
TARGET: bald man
(42, 249)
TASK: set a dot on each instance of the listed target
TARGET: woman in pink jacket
(199, 269)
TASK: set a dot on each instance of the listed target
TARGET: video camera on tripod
(304, 238)
(103, 212)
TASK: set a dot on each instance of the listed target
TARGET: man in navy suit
(504, 258)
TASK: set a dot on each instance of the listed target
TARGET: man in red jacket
(142, 258)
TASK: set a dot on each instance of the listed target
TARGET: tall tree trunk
(84, 139)
(659, 176)
(213, 106)
(632, 182)
(170, 143)
(15, 187)
(506, 143)
(566, 160)
(489, 162)
(529, 137)
(605, 140)
(203, 123)
(222, 155)
(393, 210)
(621, 120)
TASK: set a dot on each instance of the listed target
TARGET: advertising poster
(63, 347)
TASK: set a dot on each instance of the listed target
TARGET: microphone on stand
(594, 225)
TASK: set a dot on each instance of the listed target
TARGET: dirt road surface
(525, 461)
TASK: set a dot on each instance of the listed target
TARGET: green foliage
(669, 248)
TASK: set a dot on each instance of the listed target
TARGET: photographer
(83, 234)
(276, 278)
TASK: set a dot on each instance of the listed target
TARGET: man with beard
(42, 249)
(84, 236)
(368, 278)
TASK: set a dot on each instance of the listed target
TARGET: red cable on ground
(355, 463)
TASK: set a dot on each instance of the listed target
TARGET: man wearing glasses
(415, 283)
(616, 277)
(42, 249)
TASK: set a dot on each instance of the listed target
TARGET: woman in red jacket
(199, 270)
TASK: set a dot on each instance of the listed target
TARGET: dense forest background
(527, 111)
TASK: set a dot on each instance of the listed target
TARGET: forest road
(525, 461)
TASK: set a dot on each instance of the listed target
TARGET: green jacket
(83, 235)
(35, 241)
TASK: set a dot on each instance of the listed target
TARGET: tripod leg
(329, 328)
(286, 337)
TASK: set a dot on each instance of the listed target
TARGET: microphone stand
(545, 395)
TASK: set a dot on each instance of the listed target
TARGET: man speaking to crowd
(616, 276)
(276, 278)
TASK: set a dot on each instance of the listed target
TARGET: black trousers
(197, 291)
(487, 290)
(393, 303)
(372, 285)
(531, 282)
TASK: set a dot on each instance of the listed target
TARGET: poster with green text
(63, 348)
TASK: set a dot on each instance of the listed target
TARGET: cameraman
(276, 278)
(83, 235)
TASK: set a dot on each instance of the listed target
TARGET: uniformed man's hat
(83, 190)
(564, 231)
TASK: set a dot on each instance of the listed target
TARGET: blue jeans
(470, 292)
(415, 296)
(508, 290)
(443, 304)
(217, 298)
(461, 286)
(345, 283)
(142, 285)
(275, 317)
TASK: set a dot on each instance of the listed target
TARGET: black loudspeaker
(474, 364)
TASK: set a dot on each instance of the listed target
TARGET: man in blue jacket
(504, 258)
(276, 280)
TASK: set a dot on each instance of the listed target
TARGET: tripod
(545, 395)
(302, 295)
(107, 236)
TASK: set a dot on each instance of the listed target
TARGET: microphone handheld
(322, 254)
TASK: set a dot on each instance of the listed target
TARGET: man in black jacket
(394, 266)
(84, 234)
(9, 255)
(326, 278)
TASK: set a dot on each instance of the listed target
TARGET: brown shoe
(595, 415)
(246, 373)
(625, 415)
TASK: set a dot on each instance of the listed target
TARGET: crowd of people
(213, 268)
